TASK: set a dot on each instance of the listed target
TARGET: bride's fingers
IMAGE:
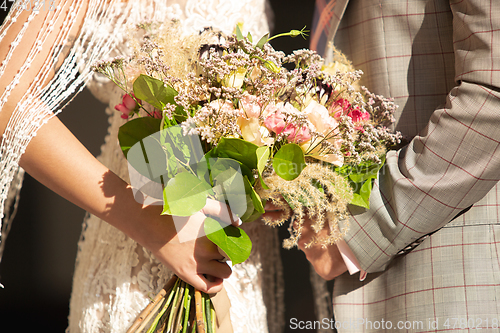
(210, 277)
(209, 285)
(212, 284)
(221, 211)
(216, 269)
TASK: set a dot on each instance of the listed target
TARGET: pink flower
(296, 135)
(357, 116)
(275, 122)
(127, 106)
(340, 108)
(250, 106)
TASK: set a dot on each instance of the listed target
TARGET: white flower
(323, 123)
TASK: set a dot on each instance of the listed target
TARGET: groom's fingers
(273, 212)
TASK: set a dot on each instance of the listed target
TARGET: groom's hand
(326, 260)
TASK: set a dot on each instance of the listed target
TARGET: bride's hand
(58, 160)
(180, 243)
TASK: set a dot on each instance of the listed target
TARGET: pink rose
(250, 106)
(297, 135)
(127, 106)
(275, 122)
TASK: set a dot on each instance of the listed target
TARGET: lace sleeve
(45, 54)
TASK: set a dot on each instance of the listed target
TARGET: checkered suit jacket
(440, 60)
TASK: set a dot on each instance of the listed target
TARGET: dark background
(38, 262)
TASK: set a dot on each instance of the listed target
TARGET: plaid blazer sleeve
(453, 162)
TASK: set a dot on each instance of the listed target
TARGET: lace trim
(41, 102)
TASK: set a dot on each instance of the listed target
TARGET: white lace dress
(115, 277)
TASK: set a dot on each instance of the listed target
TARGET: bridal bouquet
(229, 118)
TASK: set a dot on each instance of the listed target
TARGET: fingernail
(240, 222)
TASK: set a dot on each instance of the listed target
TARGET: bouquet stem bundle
(177, 308)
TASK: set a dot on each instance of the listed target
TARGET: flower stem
(200, 324)
(148, 312)
(208, 314)
(187, 308)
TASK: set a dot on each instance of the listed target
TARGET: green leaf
(140, 142)
(257, 202)
(361, 179)
(249, 37)
(185, 194)
(183, 152)
(361, 196)
(262, 41)
(251, 217)
(263, 154)
(135, 130)
(262, 183)
(289, 161)
(361, 172)
(156, 93)
(223, 165)
(202, 171)
(233, 187)
(239, 150)
(248, 203)
(239, 34)
(229, 187)
(249, 208)
(272, 66)
(364, 172)
(151, 90)
(233, 241)
(220, 163)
